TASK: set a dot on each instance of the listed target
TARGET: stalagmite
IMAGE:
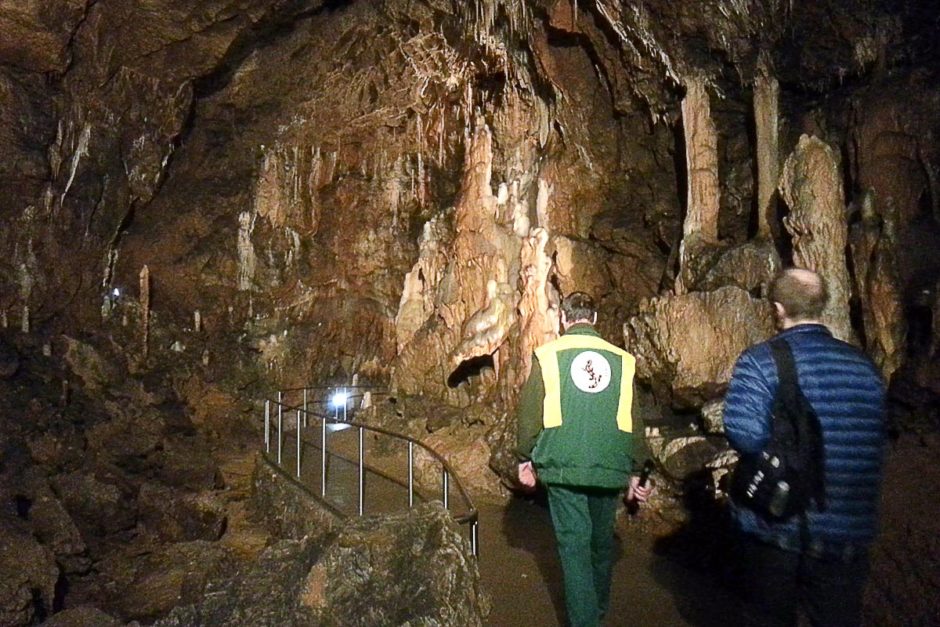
(701, 155)
(24, 321)
(145, 308)
(197, 321)
(873, 243)
(766, 110)
(811, 185)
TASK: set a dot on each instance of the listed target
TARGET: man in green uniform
(577, 434)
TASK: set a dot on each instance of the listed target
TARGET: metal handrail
(470, 516)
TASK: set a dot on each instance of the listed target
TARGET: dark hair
(578, 306)
(803, 293)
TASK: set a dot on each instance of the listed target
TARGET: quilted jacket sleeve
(748, 405)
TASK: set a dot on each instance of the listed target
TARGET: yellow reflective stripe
(625, 408)
(551, 405)
(547, 354)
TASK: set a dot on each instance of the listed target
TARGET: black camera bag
(780, 481)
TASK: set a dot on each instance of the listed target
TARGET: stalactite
(145, 310)
(246, 251)
(538, 305)
(766, 110)
(701, 156)
(541, 203)
(811, 185)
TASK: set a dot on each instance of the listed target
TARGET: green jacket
(575, 415)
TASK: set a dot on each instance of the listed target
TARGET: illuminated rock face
(811, 185)
(686, 345)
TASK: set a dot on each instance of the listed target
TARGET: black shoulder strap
(804, 422)
(786, 372)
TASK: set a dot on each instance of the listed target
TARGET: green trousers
(583, 519)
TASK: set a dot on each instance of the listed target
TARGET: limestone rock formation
(9, 360)
(82, 617)
(263, 593)
(412, 568)
(686, 345)
(484, 252)
(27, 587)
(811, 185)
(179, 517)
(314, 178)
(750, 266)
(873, 241)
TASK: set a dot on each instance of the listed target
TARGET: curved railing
(299, 403)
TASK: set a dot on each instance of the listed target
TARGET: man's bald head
(802, 293)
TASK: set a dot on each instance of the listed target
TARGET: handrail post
(280, 427)
(445, 482)
(474, 531)
(362, 483)
(411, 474)
(323, 456)
(305, 407)
(267, 425)
(298, 444)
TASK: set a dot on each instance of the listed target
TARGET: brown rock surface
(686, 345)
(28, 576)
(811, 184)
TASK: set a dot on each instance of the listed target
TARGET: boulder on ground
(85, 616)
(28, 576)
(177, 516)
(413, 568)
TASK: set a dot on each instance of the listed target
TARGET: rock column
(701, 157)
(766, 108)
(811, 185)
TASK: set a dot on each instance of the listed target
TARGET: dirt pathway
(520, 570)
(518, 562)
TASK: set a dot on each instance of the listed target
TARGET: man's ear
(779, 310)
(594, 318)
(564, 320)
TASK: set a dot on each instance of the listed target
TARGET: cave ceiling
(308, 165)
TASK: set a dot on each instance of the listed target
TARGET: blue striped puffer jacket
(846, 390)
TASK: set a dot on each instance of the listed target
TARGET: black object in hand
(633, 506)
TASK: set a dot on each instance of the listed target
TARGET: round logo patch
(590, 372)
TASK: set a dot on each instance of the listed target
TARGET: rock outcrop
(686, 345)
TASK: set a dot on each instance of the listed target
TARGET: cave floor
(682, 578)
(653, 582)
(521, 572)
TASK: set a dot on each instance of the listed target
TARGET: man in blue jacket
(822, 569)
